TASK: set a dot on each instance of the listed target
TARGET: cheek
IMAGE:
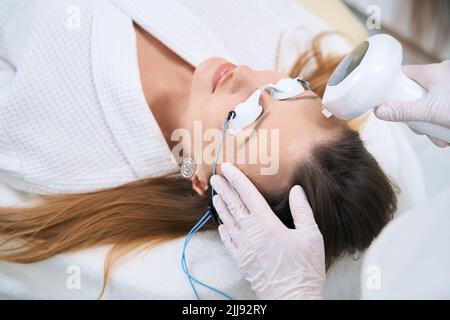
(213, 110)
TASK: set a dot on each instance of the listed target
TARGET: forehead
(286, 133)
(299, 119)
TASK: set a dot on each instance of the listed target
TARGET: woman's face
(283, 134)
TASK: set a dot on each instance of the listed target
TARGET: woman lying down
(97, 159)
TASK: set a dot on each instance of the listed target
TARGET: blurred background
(421, 25)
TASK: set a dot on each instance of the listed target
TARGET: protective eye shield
(248, 111)
(288, 88)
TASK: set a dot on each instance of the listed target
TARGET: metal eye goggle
(249, 110)
(287, 89)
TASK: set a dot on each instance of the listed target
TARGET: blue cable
(192, 279)
(206, 217)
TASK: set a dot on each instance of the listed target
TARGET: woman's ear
(198, 185)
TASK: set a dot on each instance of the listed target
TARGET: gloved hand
(434, 107)
(279, 263)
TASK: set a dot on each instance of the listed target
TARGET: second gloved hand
(434, 107)
(279, 263)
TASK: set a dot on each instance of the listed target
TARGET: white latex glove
(434, 107)
(280, 263)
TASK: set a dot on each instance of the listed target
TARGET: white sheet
(157, 274)
(417, 242)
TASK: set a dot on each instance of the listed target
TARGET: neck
(166, 81)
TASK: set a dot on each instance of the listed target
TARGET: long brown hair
(351, 198)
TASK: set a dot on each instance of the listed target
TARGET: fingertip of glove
(438, 143)
(214, 180)
(382, 111)
(228, 170)
(226, 166)
(297, 191)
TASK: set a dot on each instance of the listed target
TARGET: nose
(243, 80)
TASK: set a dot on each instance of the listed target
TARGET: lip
(220, 73)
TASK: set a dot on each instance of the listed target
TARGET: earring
(187, 168)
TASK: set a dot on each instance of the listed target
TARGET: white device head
(369, 75)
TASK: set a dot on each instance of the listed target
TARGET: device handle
(406, 89)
